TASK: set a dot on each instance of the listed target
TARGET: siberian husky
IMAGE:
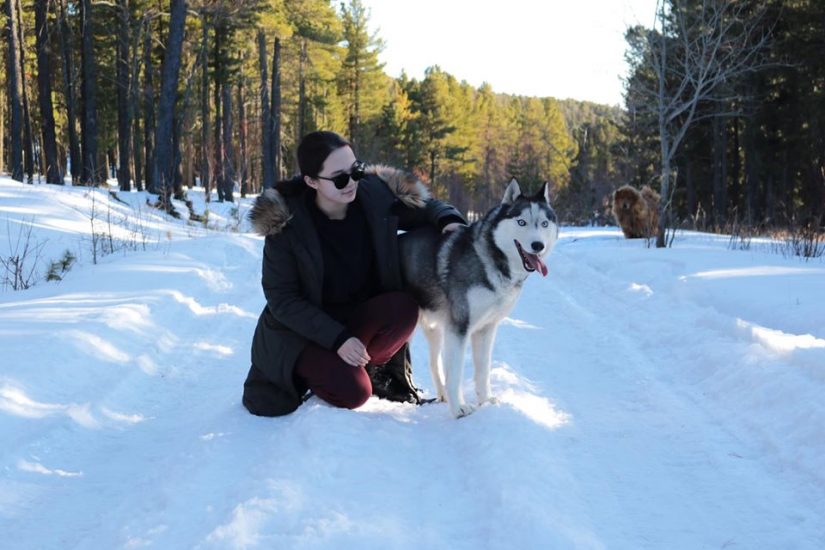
(468, 280)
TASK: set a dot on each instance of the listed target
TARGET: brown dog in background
(636, 212)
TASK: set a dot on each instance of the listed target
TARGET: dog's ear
(512, 192)
(544, 193)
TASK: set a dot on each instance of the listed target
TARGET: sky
(558, 48)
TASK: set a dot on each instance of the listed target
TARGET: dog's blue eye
(544, 224)
(522, 223)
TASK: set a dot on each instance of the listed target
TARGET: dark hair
(314, 149)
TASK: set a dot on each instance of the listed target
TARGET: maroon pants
(383, 323)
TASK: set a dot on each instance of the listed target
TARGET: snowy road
(651, 400)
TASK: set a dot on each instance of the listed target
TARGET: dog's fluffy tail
(651, 196)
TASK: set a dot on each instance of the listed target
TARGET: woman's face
(340, 161)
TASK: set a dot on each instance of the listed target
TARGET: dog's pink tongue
(541, 267)
(536, 263)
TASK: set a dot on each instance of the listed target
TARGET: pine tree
(361, 83)
(389, 140)
(497, 134)
(311, 59)
(432, 124)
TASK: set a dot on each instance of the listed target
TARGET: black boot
(393, 381)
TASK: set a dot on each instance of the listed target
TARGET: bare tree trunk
(242, 131)
(109, 158)
(37, 159)
(355, 116)
(770, 201)
(149, 111)
(266, 117)
(124, 122)
(137, 153)
(134, 103)
(751, 182)
(736, 177)
(177, 175)
(44, 84)
(15, 79)
(723, 169)
(433, 186)
(91, 173)
(28, 136)
(166, 103)
(67, 41)
(189, 166)
(786, 192)
(220, 178)
(301, 93)
(228, 168)
(690, 187)
(205, 174)
(664, 137)
(180, 120)
(664, 203)
(2, 130)
(275, 112)
(255, 179)
(716, 211)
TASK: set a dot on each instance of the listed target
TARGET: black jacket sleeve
(287, 303)
(435, 213)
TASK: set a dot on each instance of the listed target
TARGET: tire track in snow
(646, 439)
(737, 372)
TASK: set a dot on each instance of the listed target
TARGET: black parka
(292, 277)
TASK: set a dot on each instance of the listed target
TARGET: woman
(332, 279)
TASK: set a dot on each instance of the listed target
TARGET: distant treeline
(164, 93)
(754, 150)
(83, 97)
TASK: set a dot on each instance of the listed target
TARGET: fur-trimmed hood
(270, 212)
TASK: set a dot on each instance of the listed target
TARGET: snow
(650, 399)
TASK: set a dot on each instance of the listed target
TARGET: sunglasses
(342, 180)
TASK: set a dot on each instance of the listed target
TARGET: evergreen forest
(724, 107)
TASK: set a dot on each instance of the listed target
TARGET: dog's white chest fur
(487, 307)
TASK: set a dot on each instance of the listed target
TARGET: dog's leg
(456, 346)
(483, 340)
(434, 334)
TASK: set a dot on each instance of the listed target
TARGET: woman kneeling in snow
(336, 321)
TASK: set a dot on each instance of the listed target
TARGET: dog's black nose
(537, 246)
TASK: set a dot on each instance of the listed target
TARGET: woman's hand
(354, 352)
(451, 227)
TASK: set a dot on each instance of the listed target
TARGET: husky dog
(468, 280)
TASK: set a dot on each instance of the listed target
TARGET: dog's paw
(489, 399)
(462, 410)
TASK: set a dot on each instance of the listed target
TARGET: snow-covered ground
(652, 399)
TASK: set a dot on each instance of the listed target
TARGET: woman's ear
(311, 182)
